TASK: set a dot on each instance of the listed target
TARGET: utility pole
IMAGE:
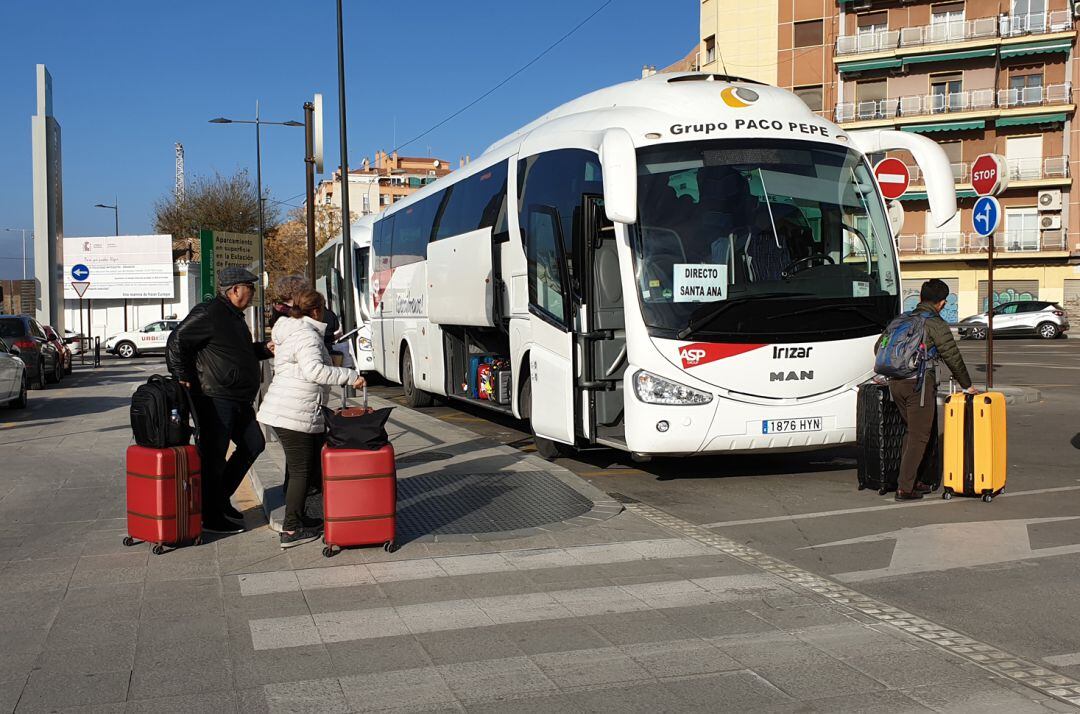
(348, 321)
(309, 186)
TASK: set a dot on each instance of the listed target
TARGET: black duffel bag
(161, 411)
(357, 427)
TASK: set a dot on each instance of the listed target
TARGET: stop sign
(988, 175)
(893, 177)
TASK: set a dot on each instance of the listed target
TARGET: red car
(61, 347)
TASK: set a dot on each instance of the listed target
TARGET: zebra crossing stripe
(506, 561)
(442, 616)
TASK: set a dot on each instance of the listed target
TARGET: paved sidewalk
(634, 612)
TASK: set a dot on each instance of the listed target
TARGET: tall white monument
(48, 207)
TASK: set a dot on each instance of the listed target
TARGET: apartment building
(379, 183)
(976, 76)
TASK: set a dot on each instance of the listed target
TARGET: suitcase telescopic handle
(345, 396)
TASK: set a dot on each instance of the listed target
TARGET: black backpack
(160, 411)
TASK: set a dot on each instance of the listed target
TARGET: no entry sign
(989, 175)
(893, 177)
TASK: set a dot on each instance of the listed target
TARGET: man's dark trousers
(919, 419)
(222, 421)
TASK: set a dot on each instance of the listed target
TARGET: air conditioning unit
(1050, 200)
(1050, 222)
(859, 5)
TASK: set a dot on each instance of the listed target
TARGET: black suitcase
(880, 430)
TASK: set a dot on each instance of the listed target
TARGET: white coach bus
(330, 281)
(684, 264)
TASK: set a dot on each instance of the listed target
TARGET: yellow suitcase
(975, 445)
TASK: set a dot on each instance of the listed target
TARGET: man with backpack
(212, 354)
(907, 354)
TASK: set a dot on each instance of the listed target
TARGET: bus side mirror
(618, 159)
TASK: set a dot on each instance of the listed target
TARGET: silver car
(1030, 317)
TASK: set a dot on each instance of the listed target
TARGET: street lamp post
(258, 122)
(115, 208)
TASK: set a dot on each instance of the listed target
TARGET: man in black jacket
(212, 354)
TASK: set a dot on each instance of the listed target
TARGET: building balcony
(968, 246)
(975, 100)
(961, 111)
(958, 32)
(1033, 169)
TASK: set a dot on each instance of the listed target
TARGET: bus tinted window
(477, 202)
(412, 231)
(380, 243)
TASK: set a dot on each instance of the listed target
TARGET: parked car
(61, 347)
(74, 341)
(42, 360)
(1029, 317)
(13, 379)
(151, 338)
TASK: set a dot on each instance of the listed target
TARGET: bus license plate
(788, 426)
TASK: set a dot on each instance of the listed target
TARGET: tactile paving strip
(1001, 663)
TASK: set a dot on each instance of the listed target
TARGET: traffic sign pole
(990, 313)
(989, 177)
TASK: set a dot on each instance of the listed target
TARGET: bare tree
(286, 245)
(218, 203)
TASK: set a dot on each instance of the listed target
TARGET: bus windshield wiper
(703, 316)
(861, 310)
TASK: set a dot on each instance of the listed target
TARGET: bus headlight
(652, 389)
(364, 344)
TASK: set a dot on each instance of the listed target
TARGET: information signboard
(119, 267)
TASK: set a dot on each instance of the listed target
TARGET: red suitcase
(359, 498)
(164, 496)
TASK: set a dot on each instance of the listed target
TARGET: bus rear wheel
(545, 448)
(415, 397)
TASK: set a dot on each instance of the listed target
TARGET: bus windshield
(797, 224)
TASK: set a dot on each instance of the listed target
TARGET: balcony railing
(966, 101)
(1018, 241)
(957, 31)
(1027, 169)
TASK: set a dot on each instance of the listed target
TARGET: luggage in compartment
(975, 445)
(879, 431)
(503, 385)
(485, 385)
(164, 497)
(359, 498)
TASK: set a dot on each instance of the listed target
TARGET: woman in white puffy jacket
(303, 376)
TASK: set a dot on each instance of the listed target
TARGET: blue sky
(131, 78)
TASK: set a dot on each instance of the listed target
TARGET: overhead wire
(514, 74)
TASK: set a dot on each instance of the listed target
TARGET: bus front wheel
(545, 448)
(415, 397)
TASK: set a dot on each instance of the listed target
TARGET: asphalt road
(1004, 572)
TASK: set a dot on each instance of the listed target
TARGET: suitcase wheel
(328, 551)
(947, 495)
(390, 547)
(158, 549)
(882, 491)
(988, 497)
(197, 541)
(129, 541)
(862, 486)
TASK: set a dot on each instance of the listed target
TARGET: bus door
(551, 353)
(602, 339)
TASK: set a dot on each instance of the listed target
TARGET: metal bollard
(97, 351)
